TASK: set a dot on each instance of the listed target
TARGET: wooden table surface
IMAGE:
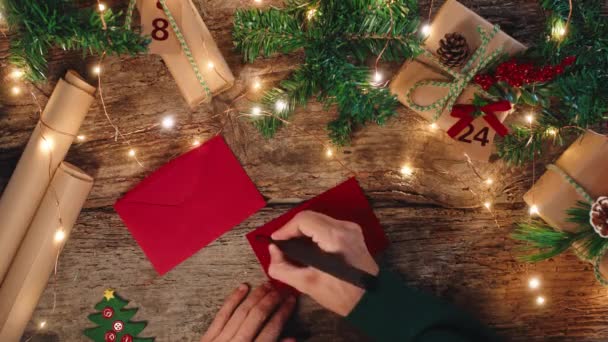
(443, 241)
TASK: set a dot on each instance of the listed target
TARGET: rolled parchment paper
(208, 57)
(47, 147)
(29, 272)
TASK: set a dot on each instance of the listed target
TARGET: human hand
(332, 236)
(257, 315)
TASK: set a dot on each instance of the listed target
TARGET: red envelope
(188, 203)
(344, 202)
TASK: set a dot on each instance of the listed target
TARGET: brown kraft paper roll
(204, 50)
(60, 122)
(452, 17)
(29, 273)
(586, 161)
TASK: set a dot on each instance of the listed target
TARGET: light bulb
(256, 111)
(433, 126)
(210, 65)
(329, 153)
(131, 153)
(534, 283)
(42, 324)
(552, 131)
(97, 69)
(489, 181)
(81, 137)
(16, 74)
(487, 204)
(530, 118)
(257, 85)
(533, 210)
(540, 300)
(168, 122)
(378, 77)
(196, 142)
(407, 170)
(101, 7)
(426, 30)
(311, 13)
(59, 235)
(46, 144)
(281, 105)
(16, 90)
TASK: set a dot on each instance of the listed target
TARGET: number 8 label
(160, 25)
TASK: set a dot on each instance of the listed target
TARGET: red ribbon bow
(465, 114)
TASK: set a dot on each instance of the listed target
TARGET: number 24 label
(481, 136)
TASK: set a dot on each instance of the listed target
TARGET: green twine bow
(477, 62)
(180, 38)
(579, 189)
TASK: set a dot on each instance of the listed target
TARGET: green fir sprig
(337, 37)
(41, 25)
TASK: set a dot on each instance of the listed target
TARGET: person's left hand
(256, 315)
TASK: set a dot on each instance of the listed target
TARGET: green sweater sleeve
(394, 311)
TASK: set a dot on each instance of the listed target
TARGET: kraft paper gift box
(586, 161)
(207, 56)
(453, 17)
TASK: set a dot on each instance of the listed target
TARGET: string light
(210, 65)
(540, 300)
(378, 77)
(16, 90)
(42, 324)
(196, 142)
(426, 30)
(81, 138)
(552, 131)
(102, 7)
(311, 13)
(256, 111)
(433, 126)
(281, 105)
(59, 235)
(258, 1)
(46, 144)
(533, 210)
(168, 122)
(329, 153)
(16, 74)
(97, 69)
(407, 170)
(534, 283)
(488, 205)
(489, 181)
(131, 153)
(530, 118)
(558, 31)
(257, 85)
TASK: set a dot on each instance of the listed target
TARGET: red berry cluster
(516, 74)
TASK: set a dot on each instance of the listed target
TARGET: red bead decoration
(568, 61)
(118, 326)
(110, 336)
(127, 338)
(107, 312)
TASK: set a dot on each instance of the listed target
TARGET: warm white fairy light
(257, 1)
(489, 181)
(558, 31)
(530, 118)
(16, 90)
(281, 105)
(540, 300)
(256, 85)
(42, 325)
(426, 30)
(378, 77)
(210, 65)
(131, 153)
(97, 69)
(256, 111)
(168, 122)
(46, 144)
(534, 283)
(16, 74)
(81, 138)
(552, 131)
(407, 170)
(487, 204)
(102, 7)
(329, 153)
(533, 209)
(433, 126)
(59, 235)
(311, 13)
(196, 142)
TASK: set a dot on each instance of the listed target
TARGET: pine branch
(41, 25)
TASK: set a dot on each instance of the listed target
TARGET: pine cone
(453, 50)
(598, 216)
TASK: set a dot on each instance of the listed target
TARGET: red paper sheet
(344, 202)
(188, 203)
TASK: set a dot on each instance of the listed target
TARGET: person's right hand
(332, 236)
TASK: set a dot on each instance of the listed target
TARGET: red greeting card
(188, 203)
(344, 202)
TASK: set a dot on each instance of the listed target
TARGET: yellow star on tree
(108, 293)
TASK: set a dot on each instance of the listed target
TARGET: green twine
(180, 38)
(579, 189)
(477, 62)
